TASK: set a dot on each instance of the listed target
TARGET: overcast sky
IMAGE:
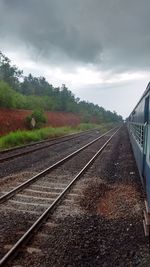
(99, 48)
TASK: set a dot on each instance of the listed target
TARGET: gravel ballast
(104, 224)
(41, 159)
(109, 232)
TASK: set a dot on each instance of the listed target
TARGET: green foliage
(9, 73)
(36, 86)
(35, 92)
(23, 137)
(103, 127)
(87, 126)
(88, 112)
(6, 95)
(39, 117)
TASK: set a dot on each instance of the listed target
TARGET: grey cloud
(112, 34)
(121, 97)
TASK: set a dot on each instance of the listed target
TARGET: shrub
(38, 116)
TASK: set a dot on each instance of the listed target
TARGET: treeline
(17, 91)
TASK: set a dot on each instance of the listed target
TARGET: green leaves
(36, 119)
(35, 92)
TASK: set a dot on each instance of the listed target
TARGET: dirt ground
(12, 120)
(109, 231)
(106, 230)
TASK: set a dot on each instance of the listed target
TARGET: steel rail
(29, 233)
(38, 148)
(52, 167)
(43, 141)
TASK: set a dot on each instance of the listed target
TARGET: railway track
(9, 154)
(36, 199)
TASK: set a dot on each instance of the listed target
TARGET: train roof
(144, 94)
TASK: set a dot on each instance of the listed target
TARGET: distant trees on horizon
(30, 92)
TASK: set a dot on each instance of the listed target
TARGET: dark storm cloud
(112, 34)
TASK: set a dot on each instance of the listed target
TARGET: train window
(137, 131)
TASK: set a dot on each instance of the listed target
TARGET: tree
(5, 95)
(8, 73)
(35, 92)
(36, 86)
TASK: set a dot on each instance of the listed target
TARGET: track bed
(99, 222)
(36, 160)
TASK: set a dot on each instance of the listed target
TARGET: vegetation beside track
(24, 137)
(28, 92)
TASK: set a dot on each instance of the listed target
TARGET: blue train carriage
(139, 132)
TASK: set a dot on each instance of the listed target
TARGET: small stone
(33, 250)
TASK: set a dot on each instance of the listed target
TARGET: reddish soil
(62, 118)
(113, 204)
(12, 120)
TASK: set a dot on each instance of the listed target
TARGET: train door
(146, 120)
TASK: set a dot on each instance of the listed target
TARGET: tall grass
(24, 137)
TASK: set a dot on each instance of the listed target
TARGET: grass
(24, 137)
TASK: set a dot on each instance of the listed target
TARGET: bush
(7, 98)
(38, 117)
